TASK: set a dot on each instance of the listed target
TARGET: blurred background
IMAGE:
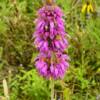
(18, 78)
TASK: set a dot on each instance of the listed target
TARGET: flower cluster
(51, 42)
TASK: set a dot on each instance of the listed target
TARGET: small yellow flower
(87, 8)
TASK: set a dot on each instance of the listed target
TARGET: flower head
(87, 8)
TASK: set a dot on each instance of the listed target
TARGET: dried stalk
(6, 93)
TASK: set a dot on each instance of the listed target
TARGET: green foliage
(17, 52)
(29, 86)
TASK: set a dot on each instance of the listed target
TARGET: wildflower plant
(50, 40)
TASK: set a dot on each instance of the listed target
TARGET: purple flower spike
(51, 42)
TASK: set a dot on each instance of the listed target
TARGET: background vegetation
(17, 52)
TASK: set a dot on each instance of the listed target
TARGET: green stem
(52, 89)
